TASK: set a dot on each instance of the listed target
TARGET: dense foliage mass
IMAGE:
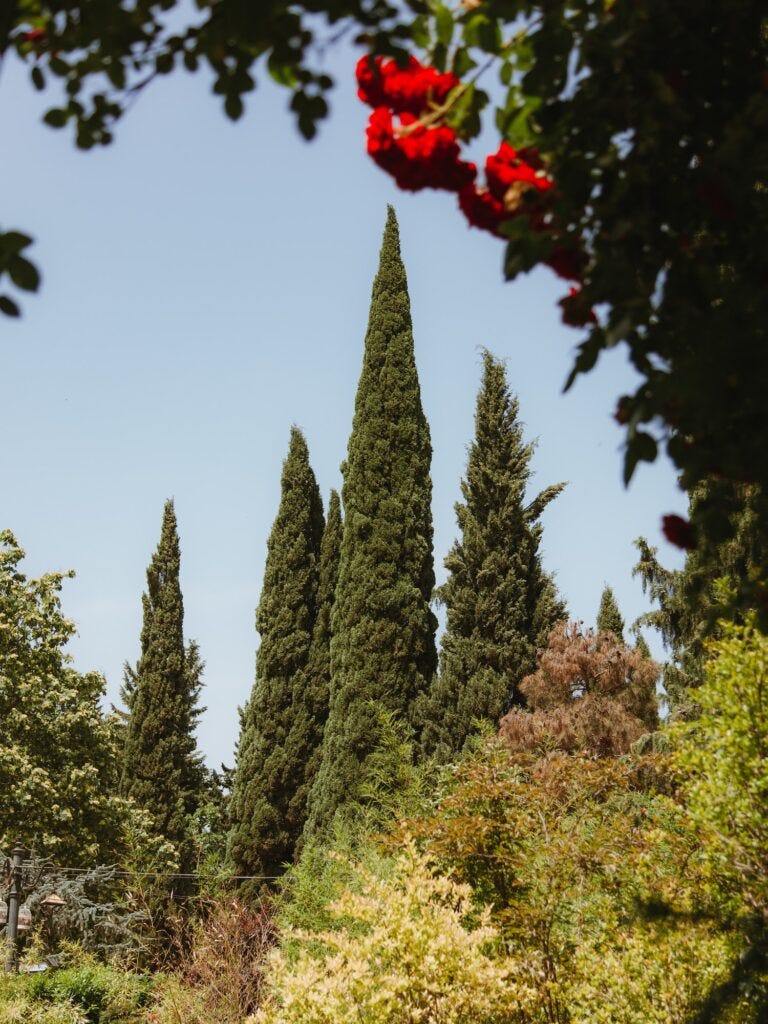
(59, 755)
(281, 734)
(383, 644)
(500, 603)
(589, 693)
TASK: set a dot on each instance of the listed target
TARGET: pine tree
(279, 736)
(609, 617)
(162, 771)
(501, 604)
(383, 646)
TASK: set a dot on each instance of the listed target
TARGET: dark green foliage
(162, 771)
(501, 604)
(609, 617)
(383, 646)
(279, 736)
(689, 600)
(642, 647)
(319, 664)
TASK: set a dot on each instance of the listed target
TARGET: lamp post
(14, 899)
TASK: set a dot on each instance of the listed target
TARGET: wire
(174, 874)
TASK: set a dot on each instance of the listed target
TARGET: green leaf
(283, 74)
(8, 306)
(420, 32)
(164, 63)
(12, 242)
(483, 32)
(55, 117)
(462, 62)
(233, 106)
(444, 24)
(24, 274)
(38, 78)
(59, 67)
(641, 447)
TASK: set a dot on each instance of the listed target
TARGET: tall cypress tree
(279, 735)
(609, 617)
(500, 602)
(319, 663)
(383, 646)
(162, 771)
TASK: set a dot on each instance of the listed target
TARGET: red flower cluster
(679, 532)
(410, 90)
(481, 209)
(417, 157)
(415, 154)
(419, 153)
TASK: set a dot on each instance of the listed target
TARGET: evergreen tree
(690, 603)
(383, 646)
(501, 604)
(162, 771)
(319, 664)
(609, 617)
(279, 736)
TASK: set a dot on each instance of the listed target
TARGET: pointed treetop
(609, 617)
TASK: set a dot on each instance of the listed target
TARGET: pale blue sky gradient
(206, 285)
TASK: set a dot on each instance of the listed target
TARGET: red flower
(410, 90)
(679, 532)
(416, 156)
(621, 415)
(481, 209)
(576, 312)
(516, 172)
(566, 263)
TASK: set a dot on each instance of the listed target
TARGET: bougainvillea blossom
(421, 151)
(410, 90)
(481, 209)
(510, 173)
(576, 312)
(679, 532)
(567, 262)
(416, 156)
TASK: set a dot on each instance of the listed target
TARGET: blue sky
(206, 285)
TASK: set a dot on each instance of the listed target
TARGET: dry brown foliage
(590, 694)
(227, 959)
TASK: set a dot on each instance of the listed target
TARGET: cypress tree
(609, 617)
(383, 645)
(279, 736)
(162, 771)
(500, 603)
(319, 663)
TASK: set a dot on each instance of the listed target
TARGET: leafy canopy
(59, 754)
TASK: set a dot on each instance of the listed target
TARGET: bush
(220, 976)
(100, 993)
(407, 947)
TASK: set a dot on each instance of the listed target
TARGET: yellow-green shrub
(410, 947)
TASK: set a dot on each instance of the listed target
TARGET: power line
(168, 875)
(171, 874)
